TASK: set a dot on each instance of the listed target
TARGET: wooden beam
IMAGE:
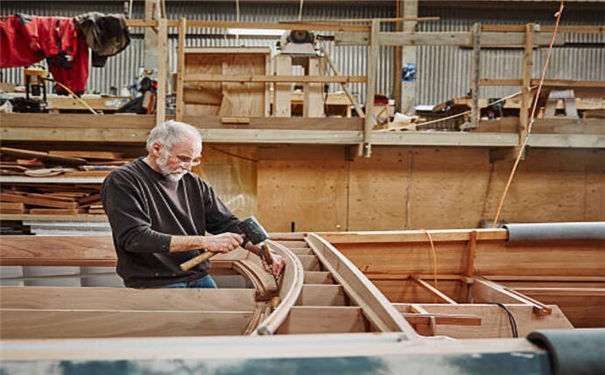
(249, 78)
(252, 25)
(447, 319)
(437, 235)
(463, 39)
(408, 55)
(365, 148)
(434, 291)
(546, 28)
(375, 306)
(476, 75)
(62, 323)
(526, 92)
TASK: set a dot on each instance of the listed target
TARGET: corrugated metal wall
(443, 72)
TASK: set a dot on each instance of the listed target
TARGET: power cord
(511, 318)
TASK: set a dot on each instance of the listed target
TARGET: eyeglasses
(186, 160)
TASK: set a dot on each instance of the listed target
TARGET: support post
(373, 49)
(160, 107)
(526, 96)
(476, 74)
(180, 74)
(282, 99)
(408, 55)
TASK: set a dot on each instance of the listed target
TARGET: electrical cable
(511, 318)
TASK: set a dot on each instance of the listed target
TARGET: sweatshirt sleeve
(219, 218)
(128, 216)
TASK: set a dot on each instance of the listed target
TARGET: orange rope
(532, 115)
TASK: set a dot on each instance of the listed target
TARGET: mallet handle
(186, 266)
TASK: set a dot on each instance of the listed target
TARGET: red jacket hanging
(25, 40)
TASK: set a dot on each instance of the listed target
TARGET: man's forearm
(186, 243)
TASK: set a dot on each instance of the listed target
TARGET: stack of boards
(54, 198)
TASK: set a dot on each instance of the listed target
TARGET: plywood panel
(448, 187)
(378, 191)
(313, 195)
(552, 185)
(243, 99)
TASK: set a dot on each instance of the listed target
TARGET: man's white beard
(174, 175)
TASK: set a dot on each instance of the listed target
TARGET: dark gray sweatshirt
(145, 209)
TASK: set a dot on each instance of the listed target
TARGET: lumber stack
(37, 197)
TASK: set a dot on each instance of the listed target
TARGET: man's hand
(221, 243)
(278, 264)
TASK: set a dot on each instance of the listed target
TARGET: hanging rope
(531, 116)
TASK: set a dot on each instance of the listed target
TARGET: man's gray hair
(170, 132)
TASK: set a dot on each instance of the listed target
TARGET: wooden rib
(375, 306)
(434, 291)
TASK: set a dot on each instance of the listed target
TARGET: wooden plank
(447, 319)
(322, 295)
(11, 208)
(42, 155)
(95, 155)
(315, 319)
(38, 200)
(318, 277)
(57, 323)
(100, 298)
(56, 211)
(58, 251)
(362, 292)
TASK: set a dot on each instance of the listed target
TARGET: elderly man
(160, 214)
